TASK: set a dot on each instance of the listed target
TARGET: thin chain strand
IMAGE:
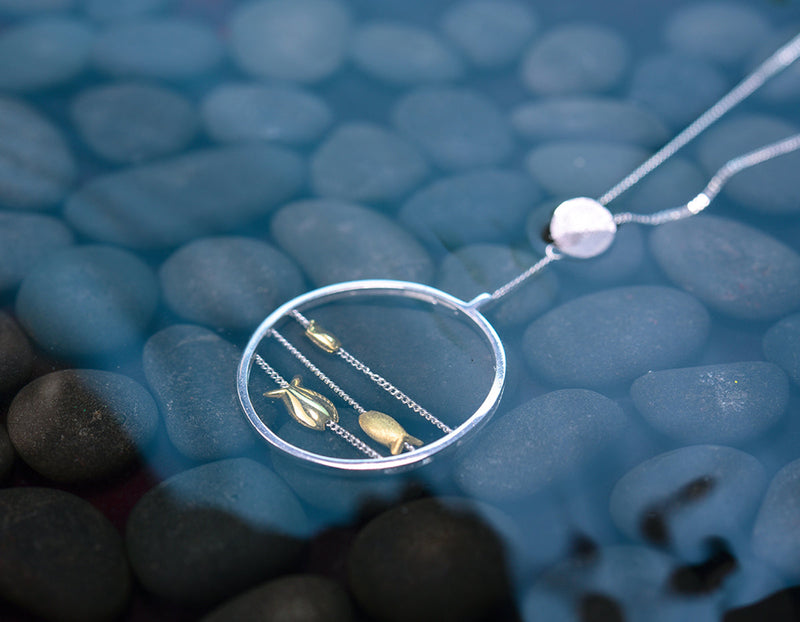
(551, 255)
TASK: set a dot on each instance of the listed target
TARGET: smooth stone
(192, 373)
(167, 48)
(294, 40)
(589, 119)
(6, 454)
(728, 404)
(81, 425)
(294, 598)
(721, 32)
(538, 443)
(105, 299)
(614, 336)
(219, 190)
(670, 185)
(781, 345)
(335, 241)
(404, 54)
(784, 87)
(676, 87)
(43, 53)
(453, 565)
(366, 162)
(228, 282)
(733, 268)
(775, 531)
(24, 8)
(103, 10)
(683, 498)
(36, 166)
(16, 355)
(477, 136)
(479, 268)
(131, 122)
(210, 532)
(768, 188)
(490, 33)
(575, 58)
(242, 112)
(62, 559)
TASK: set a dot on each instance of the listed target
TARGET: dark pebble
(214, 530)
(78, 425)
(6, 453)
(16, 355)
(782, 346)
(775, 534)
(59, 557)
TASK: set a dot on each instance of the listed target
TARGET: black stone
(16, 355)
(782, 606)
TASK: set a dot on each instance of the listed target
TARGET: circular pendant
(582, 228)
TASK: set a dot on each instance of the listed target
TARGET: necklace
(580, 228)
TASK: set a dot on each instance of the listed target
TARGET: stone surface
(210, 532)
(23, 8)
(775, 533)
(782, 346)
(783, 88)
(105, 300)
(670, 185)
(36, 166)
(16, 355)
(173, 201)
(477, 136)
(59, 557)
(616, 335)
(103, 10)
(79, 425)
(131, 122)
(733, 268)
(6, 454)
(538, 443)
(192, 373)
(727, 404)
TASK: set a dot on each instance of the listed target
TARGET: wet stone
(61, 559)
(728, 404)
(192, 373)
(6, 454)
(168, 48)
(575, 58)
(538, 443)
(210, 532)
(80, 425)
(103, 10)
(24, 8)
(365, 162)
(478, 135)
(404, 54)
(228, 282)
(106, 297)
(683, 498)
(130, 122)
(36, 166)
(219, 190)
(775, 537)
(616, 335)
(293, 40)
(305, 598)
(782, 346)
(490, 34)
(335, 241)
(670, 185)
(733, 268)
(16, 355)
(241, 112)
(467, 578)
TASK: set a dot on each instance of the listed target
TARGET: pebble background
(173, 170)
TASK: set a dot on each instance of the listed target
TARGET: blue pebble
(672, 184)
(784, 87)
(23, 8)
(103, 10)
(775, 535)
(782, 346)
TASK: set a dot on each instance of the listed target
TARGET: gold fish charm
(385, 430)
(322, 338)
(308, 407)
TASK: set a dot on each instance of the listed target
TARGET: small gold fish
(385, 430)
(308, 407)
(322, 338)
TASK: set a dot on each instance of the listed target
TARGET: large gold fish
(385, 430)
(308, 407)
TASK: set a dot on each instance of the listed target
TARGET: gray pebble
(220, 189)
(210, 532)
(103, 10)
(294, 40)
(615, 336)
(733, 268)
(36, 166)
(728, 404)
(43, 53)
(538, 443)
(6, 454)
(240, 112)
(192, 373)
(16, 355)
(294, 598)
(782, 346)
(157, 47)
(62, 559)
(775, 531)
(683, 498)
(131, 122)
(477, 136)
(23, 8)
(336, 241)
(106, 297)
(365, 162)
